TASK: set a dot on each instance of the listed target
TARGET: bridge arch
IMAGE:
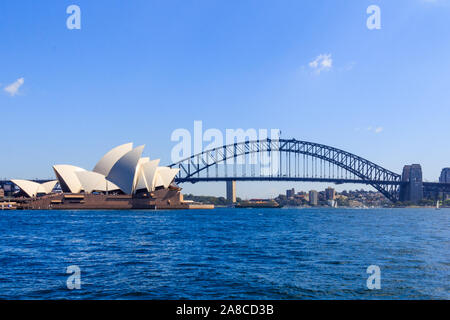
(291, 155)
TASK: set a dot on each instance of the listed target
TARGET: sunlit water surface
(226, 254)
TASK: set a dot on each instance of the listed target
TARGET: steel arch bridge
(286, 160)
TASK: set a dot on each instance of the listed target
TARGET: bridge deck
(299, 179)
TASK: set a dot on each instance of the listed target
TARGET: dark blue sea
(226, 254)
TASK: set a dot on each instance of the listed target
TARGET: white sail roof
(149, 173)
(49, 186)
(139, 178)
(159, 182)
(93, 181)
(29, 187)
(166, 176)
(111, 157)
(68, 180)
(141, 183)
(124, 170)
(32, 188)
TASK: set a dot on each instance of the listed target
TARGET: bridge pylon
(231, 191)
(412, 190)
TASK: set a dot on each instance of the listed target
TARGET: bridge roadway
(298, 179)
(443, 187)
(436, 187)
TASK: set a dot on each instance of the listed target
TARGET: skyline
(138, 71)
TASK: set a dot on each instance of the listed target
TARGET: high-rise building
(330, 193)
(290, 193)
(313, 197)
(2, 193)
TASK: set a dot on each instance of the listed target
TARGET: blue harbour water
(226, 254)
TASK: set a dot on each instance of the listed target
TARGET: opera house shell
(122, 178)
(121, 169)
(33, 189)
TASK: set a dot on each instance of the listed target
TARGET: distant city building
(445, 176)
(313, 197)
(330, 193)
(357, 198)
(290, 193)
(301, 195)
(2, 193)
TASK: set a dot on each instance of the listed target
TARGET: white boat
(437, 205)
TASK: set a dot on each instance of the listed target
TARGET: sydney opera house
(122, 179)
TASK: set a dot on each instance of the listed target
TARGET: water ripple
(226, 254)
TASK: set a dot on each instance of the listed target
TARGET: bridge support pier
(412, 191)
(231, 191)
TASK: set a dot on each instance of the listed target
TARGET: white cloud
(375, 130)
(14, 87)
(323, 62)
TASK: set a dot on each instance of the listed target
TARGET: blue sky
(138, 70)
